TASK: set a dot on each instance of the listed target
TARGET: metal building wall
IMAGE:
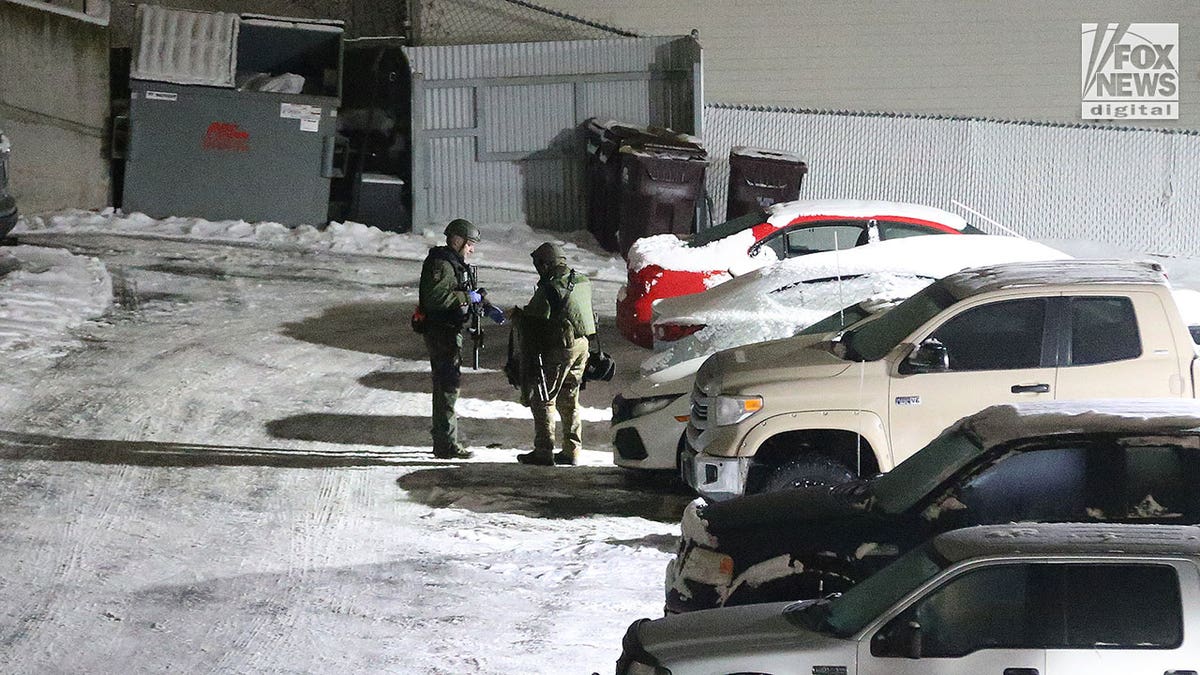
(1133, 188)
(495, 127)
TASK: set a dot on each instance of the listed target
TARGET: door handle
(1030, 389)
(1180, 672)
(1020, 671)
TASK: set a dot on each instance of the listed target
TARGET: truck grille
(699, 410)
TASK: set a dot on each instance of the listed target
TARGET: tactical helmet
(548, 252)
(463, 228)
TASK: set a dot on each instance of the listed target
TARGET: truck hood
(802, 357)
(774, 509)
(743, 639)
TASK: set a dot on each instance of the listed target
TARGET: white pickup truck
(788, 413)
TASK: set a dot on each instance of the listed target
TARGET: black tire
(806, 471)
(821, 576)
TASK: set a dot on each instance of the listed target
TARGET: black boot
(538, 457)
(453, 453)
(564, 457)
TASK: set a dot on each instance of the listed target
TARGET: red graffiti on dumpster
(226, 136)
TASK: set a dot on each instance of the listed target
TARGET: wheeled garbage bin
(603, 174)
(759, 178)
(612, 198)
(660, 189)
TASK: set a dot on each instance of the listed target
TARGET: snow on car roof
(1003, 423)
(1068, 539)
(1014, 275)
(671, 252)
(785, 212)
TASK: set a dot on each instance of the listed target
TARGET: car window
(874, 340)
(819, 238)
(1047, 485)
(711, 234)
(1154, 483)
(901, 230)
(998, 336)
(1043, 605)
(1103, 330)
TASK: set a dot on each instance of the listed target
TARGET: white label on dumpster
(298, 111)
(162, 96)
(310, 124)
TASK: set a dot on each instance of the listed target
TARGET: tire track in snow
(61, 565)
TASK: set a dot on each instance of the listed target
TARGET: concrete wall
(54, 105)
(1015, 60)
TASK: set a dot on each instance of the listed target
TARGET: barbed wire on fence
(458, 22)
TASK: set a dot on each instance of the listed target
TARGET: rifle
(475, 310)
(543, 389)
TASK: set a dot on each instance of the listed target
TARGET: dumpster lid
(184, 46)
(331, 25)
(765, 153)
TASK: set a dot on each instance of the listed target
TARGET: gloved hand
(494, 313)
(482, 292)
(474, 297)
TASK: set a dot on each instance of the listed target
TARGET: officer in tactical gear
(557, 324)
(445, 300)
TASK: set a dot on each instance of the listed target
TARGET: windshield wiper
(813, 616)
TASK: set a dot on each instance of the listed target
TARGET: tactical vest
(453, 316)
(570, 300)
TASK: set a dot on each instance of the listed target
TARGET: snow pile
(43, 294)
(672, 253)
(503, 246)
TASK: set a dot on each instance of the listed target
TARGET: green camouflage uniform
(564, 353)
(443, 299)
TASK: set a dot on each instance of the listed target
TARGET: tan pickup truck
(785, 413)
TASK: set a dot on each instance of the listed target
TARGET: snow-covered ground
(215, 453)
(227, 468)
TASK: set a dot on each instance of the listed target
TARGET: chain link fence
(464, 22)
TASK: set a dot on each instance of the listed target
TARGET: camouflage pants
(445, 363)
(563, 377)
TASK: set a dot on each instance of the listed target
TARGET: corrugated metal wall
(495, 134)
(1139, 189)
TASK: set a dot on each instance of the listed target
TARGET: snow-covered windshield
(846, 615)
(708, 236)
(874, 340)
(920, 474)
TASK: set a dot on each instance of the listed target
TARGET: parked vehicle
(649, 418)
(1114, 460)
(1060, 599)
(781, 414)
(664, 266)
(773, 301)
(8, 205)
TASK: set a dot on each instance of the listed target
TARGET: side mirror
(929, 357)
(910, 637)
(901, 637)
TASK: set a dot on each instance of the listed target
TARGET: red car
(664, 266)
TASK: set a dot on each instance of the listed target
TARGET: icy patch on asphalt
(44, 293)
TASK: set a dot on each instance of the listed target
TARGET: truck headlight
(728, 410)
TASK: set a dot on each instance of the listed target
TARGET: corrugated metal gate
(1138, 189)
(495, 127)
